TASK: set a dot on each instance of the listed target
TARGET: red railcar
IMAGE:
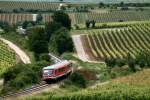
(57, 70)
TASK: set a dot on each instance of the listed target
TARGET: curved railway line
(32, 89)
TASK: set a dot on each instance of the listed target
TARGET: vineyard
(112, 16)
(28, 5)
(14, 18)
(116, 43)
(7, 57)
(80, 18)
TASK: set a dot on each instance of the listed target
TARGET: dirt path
(79, 48)
(23, 56)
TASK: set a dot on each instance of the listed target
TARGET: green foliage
(61, 41)
(87, 23)
(120, 62)
(110, 62)
(108, 92)
(26, 24)
(63, 18)
(37, 41)
(51, 28)
(21, 75)
(131, 63)
(44, 57)
(39, 18)
(143, 59)
(78, 80)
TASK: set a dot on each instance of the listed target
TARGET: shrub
(21, 75)
(110, 62)
(78, 80)
(45, 57)
(121, 62)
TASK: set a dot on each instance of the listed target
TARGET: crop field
(14, 18)
(116, 43)
(7, 57)
(84, 1)
(28, 5)
(113, 16)
(80, 18)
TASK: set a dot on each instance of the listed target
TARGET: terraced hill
(116, 43)
(7, 57)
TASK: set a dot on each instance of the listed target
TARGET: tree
(101, 4)
(121, 4)
(45, 57)
(61, 41)
(24, 24)
(37, 41)
(131, 63)
(50, 29)
(87, 23)
(63, 18)
(93, 23)
(39, 18)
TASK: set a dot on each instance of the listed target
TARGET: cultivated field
(80, 18)
(14, 18)
(116, 43)
(28, 5)
(112, 16)
(7, 57)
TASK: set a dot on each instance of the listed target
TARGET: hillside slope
(116, 43)
(133, 87)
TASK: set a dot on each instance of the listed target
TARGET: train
(57, 70)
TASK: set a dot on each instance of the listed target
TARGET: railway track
(32, 89)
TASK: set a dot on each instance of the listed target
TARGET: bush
(110, 62)
(22, 75)
(121, 62)
(45, 57)
(78, 80)
(61, 41)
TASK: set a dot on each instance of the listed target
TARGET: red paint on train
(57, 70)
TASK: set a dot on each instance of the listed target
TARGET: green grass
(132, 87)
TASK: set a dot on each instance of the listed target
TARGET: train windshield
(49, 72)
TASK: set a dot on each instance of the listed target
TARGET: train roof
(55, 66)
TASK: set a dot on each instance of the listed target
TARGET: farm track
(79, 47)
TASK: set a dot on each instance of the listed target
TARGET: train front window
(48, 72)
